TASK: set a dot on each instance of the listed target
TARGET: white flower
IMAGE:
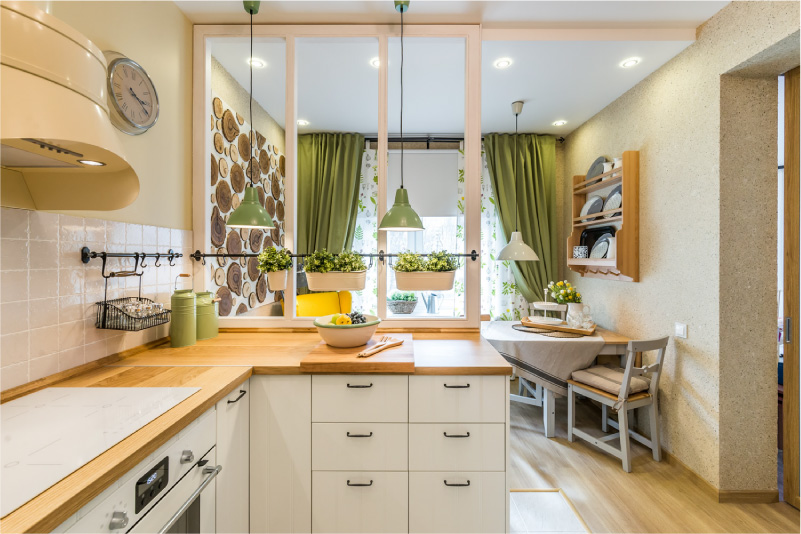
(562, 292)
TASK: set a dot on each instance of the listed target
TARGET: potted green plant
(435, 273)
(326, 271)
(402, 303)
(275, 264)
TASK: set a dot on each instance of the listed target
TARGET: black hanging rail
(139, 260)
(380, 255)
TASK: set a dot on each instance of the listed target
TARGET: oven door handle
(211, 473)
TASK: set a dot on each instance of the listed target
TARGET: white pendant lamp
(401, 217)
(516, 249)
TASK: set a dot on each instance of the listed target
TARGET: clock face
(135, 103)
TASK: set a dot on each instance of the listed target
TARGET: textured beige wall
(673, 118)
(158, 36)
(233, 94)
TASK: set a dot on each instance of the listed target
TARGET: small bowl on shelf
(346, 335)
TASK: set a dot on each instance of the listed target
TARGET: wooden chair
(623, 390)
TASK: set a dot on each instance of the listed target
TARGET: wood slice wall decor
(238, 282)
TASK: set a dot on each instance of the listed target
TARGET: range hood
(58, 148)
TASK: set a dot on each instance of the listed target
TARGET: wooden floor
(655, 497)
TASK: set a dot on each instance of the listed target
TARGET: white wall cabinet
(280, 454)
(233, 449)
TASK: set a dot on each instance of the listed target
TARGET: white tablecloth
(543, 360)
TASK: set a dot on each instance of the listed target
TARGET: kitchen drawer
(477, 507)
(458, 399)
(359, 446)
(360, 399)
(379, 505)
(457, 447)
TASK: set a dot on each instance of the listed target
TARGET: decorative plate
(613, 201)
(594, 204)
(544, 320)
(600, 249)
(597, 168)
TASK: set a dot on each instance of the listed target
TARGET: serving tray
(557, 327)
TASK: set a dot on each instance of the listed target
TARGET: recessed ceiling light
(91, 162)
(375, 62)
(257, 63)
(502, 63)
(559, 123)
(630, 62)
(303, 122)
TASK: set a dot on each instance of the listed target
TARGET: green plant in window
(409, 262)
(272, 260)
(319, 261)
(349, 261)
(405, 296)
(441, 261)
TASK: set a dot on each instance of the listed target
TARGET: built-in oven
(173, 490)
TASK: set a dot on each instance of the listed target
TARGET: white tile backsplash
(48, 296)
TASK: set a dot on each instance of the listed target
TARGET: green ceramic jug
(183, 325)
(207, 325)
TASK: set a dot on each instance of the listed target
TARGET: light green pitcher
(207, 324)
(183, 325)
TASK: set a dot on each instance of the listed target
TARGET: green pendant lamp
(401, 217)
(516, 249)
(250, 213)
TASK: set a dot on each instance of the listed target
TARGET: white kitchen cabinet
(233, 450)
(457, 447)
(360, 446)
(457, 502)
(360, 398)
(280, 454)
(360, 501)
(458, 399)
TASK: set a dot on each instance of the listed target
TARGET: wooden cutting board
(326, 359)
(557, 327)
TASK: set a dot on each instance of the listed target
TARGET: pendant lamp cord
(252, 137)
(516, 180)
(401, 96)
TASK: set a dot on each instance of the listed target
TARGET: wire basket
(112, 316)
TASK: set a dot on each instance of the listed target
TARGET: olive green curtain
(534, 192)
(328, 190)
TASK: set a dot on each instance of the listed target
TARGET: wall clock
(133, 104)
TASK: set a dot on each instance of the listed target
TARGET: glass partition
(433, 164)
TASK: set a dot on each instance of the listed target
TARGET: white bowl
(346, 335)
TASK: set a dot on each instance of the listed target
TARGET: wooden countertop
(56, 504)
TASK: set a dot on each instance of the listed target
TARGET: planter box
(425, 281)
(336, 281)
(276, 280)
(401, 306)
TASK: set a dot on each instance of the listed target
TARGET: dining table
(543, 364)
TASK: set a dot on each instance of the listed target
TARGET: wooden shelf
(625, 266)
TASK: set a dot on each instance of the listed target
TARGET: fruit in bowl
(345, 330)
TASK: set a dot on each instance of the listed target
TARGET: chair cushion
(609, 379)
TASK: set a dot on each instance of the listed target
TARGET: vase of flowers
(275, 263)
(434, 273)
(326, 271)
(562, 292)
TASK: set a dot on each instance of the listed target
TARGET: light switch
(681, 330)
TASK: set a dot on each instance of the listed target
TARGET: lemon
(343, 319)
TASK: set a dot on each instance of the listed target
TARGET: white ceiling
(338, 89)
(493, 13)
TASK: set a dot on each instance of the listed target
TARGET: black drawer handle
(467, 435)
(370, 435)
(358, 485)
(242, 393)
(457, 485)
(359, 386)
(456, 387)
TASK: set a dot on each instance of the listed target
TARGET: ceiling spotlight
(630, 62)
(559, 123)
(91, 162)
(502, 63)
(257, 63)
(375, 62)
(303, 122)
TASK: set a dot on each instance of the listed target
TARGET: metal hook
(170, 258)
(371, 262)
(142, 263)
(203, 260)
(156, 263)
